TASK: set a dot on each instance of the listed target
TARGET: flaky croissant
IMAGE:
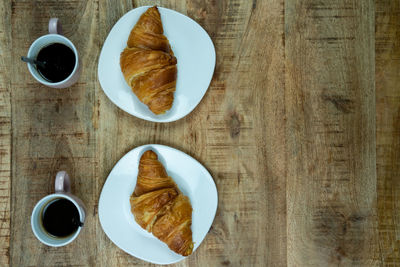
(159, 207)
(148, 63)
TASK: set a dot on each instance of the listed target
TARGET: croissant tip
(150, 154)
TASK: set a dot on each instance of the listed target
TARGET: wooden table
(300, 129)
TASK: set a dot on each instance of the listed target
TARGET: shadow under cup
(44, 41)
(37, 223)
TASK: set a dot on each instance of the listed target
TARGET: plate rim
(214, 212)
(214, 60)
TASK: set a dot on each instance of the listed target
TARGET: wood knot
(339, 231)
(202, 13)
(340, 253)
(235, 217)
(340, 103)
(234, 124)
(226, 263)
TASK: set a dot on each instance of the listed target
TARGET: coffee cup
(54, 37)
(57, 219)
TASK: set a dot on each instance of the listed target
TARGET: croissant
(148, 63)
(160, 207)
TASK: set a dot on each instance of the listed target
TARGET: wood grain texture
(306, 164)
(387, 47)
(330, 104)
(5, 133)
(52, 130)
(222, 133)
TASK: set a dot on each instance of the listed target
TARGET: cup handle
(55, 26)
(62, 183)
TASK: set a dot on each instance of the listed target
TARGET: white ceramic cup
(54, 36)
(62, 190)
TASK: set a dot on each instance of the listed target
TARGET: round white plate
(193, 49)
(115, 211)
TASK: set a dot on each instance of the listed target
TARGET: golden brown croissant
(148, 63)
(152, 175)
(159, 207)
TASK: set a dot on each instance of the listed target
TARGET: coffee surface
(59, 62)
(60, 218)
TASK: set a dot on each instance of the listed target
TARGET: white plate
(193, 49)
(115, 212)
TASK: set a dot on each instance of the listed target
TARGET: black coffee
(59, 62)
(60, 218)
